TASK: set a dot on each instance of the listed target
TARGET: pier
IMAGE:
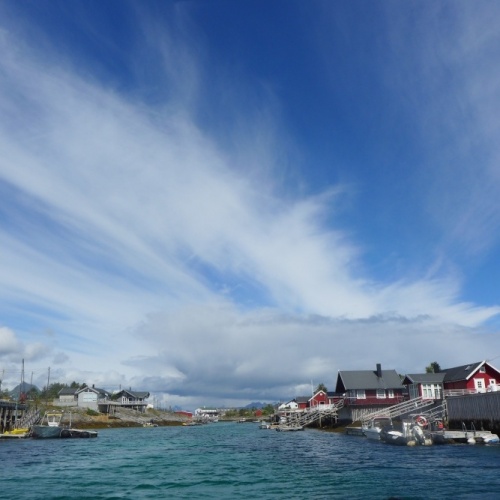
(10, 413)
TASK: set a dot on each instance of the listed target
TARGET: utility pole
(21, 388)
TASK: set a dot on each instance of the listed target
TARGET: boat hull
(373, 433)
(46, 432)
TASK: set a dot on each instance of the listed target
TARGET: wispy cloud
(133, 233)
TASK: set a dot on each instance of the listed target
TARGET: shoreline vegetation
(80, 418)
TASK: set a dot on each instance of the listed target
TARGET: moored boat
(16, 434)
(50, 428)
(289, 428)
(373, 428)
(405, 433)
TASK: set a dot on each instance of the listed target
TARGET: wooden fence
(483, 406)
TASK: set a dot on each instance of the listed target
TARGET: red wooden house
(366, 390)
(474, 377)
(425, 385)
(302, 403)
(466, 379)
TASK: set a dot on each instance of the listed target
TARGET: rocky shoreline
(84, 419)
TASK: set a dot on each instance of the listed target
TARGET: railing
(61, 404)
(405, 407)
(373, 400)
(303, 417)
(31, 418)
(449, 393)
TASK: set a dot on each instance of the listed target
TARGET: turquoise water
(230, 460)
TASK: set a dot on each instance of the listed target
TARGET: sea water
(232, 460)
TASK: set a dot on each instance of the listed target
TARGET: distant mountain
(25, 387)
(258, 405)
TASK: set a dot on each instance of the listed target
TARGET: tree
(433, 368)
(52, 391)
(321, 387)
(268, 409)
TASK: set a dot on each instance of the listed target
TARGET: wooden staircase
(406, 407)
(299, 420)
(28, 420)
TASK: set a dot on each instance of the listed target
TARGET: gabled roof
(425, 378)
(462, 372)
(135, 394)
(302, 399)
(315, 394)
(68, 391)
(101, 392)
(367, 379)
(455, 374)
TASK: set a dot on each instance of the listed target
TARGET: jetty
(11, 414)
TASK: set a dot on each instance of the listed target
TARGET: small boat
(16, 434)
(406, 433)
(50, 428)
(289, 428)
(374, 427)
(491, 439)
(150, 424)
(264, 425)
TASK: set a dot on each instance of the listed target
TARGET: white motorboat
(373, 428)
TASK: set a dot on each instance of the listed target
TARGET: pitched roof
(463, 372)
(101, 392)
(425, 378)
(136, 394)
(455, 374)
(68, 391)
(302, 399)
(367, 379)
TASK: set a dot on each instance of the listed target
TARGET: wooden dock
(10, 413)
(464, 436)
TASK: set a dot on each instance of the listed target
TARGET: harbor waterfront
(226, 460)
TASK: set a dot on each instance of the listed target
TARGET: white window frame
(390, 393)
(381, 394)
(479, 384)
(431, 391)
(360, 394)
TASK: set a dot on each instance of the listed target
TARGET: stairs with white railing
(406, 407)
(299, 420)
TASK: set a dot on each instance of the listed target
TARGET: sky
(223, 202)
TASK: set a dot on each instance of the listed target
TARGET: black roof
(136, 394)
(302, 399)
(425, 378)
(68, 391)
(463, 372)
(367, 379)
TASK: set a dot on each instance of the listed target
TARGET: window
(360, 394)
(380, 393)
(482, 369)
(493, 381)
(390, 393)
(431, 391)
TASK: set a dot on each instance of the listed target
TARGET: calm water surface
(230, 460)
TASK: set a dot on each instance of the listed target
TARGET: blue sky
(223, 201)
